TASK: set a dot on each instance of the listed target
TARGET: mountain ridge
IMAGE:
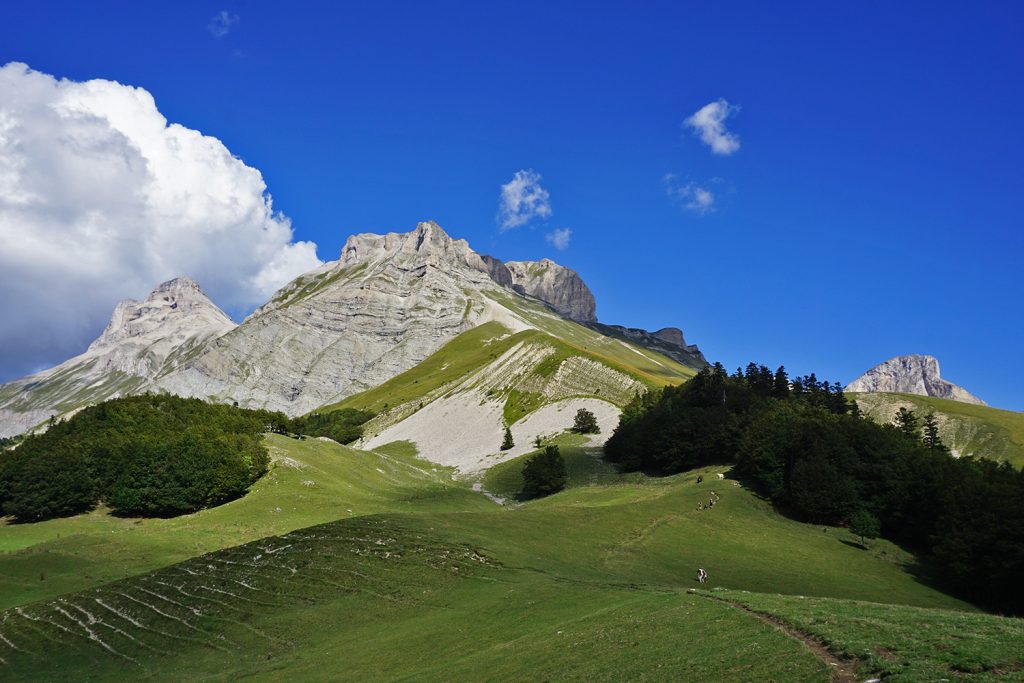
(385, 305)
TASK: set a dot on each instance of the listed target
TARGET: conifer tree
(544, 473)
(931, 433)
(780, 384)
(906, 422)
(507, 442)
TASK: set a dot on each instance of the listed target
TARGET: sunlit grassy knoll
(311, 481)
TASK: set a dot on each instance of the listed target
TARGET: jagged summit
(180, 299)
(143, 340)
(912, 374)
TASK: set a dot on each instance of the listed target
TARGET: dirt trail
(842, 670)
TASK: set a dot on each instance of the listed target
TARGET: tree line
(808, 449)
(150, 455)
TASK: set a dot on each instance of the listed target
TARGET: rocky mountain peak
(180, 302)
(911, 374)
(555, 284)
(427, 245)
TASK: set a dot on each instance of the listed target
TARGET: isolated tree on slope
(865, 525)
(507, 442)
(544, 473)
(585, 422)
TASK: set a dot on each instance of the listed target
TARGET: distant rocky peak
(912, 374)
(178, 299)
(555, 284)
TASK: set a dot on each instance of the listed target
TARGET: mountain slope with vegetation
(477, 592)
(456, 404)
(967, 429)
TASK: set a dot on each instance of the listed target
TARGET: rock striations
(144, 339)
(388, 302)
(914, 374)
(385, 305)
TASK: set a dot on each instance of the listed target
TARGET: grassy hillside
(589, 584)
(968, 429)
(901, 643)
(311, 481)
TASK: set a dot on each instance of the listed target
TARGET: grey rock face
(498, 271)
(143, 340)
(556, 285)
(388, 302)
(914, 374)
(667, 341)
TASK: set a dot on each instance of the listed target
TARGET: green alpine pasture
(902, 643)
(384, 568)
(311, 481)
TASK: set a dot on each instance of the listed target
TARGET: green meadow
(385, 568)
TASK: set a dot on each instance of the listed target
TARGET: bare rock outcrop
(560, 287)
(913, 374)
(388, 302)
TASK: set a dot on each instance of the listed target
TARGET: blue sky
(873, 207)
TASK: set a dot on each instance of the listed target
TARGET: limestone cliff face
(556, 285)
(388, 302)
(914, 374)
(143, 340)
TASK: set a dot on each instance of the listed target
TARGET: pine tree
(544, 473)
(507, 442)
(931, 433)
(906, 422)
(780, 384)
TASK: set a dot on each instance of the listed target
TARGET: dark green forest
(150, 455)
(806, 448)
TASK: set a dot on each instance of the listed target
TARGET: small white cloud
(522, 199)
(709, 124)
(559, 238)
(692, 196)
(221, 23)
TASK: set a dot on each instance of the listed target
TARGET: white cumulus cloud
(101, 199)
(559, 238)
(522, 199)
(221, 23)
(692, 196)
(708, 123)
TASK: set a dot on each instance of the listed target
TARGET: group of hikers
(707, 506)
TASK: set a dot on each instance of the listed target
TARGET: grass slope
(902, 643)
(970, 429)
(311, 481)
(589, 584)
